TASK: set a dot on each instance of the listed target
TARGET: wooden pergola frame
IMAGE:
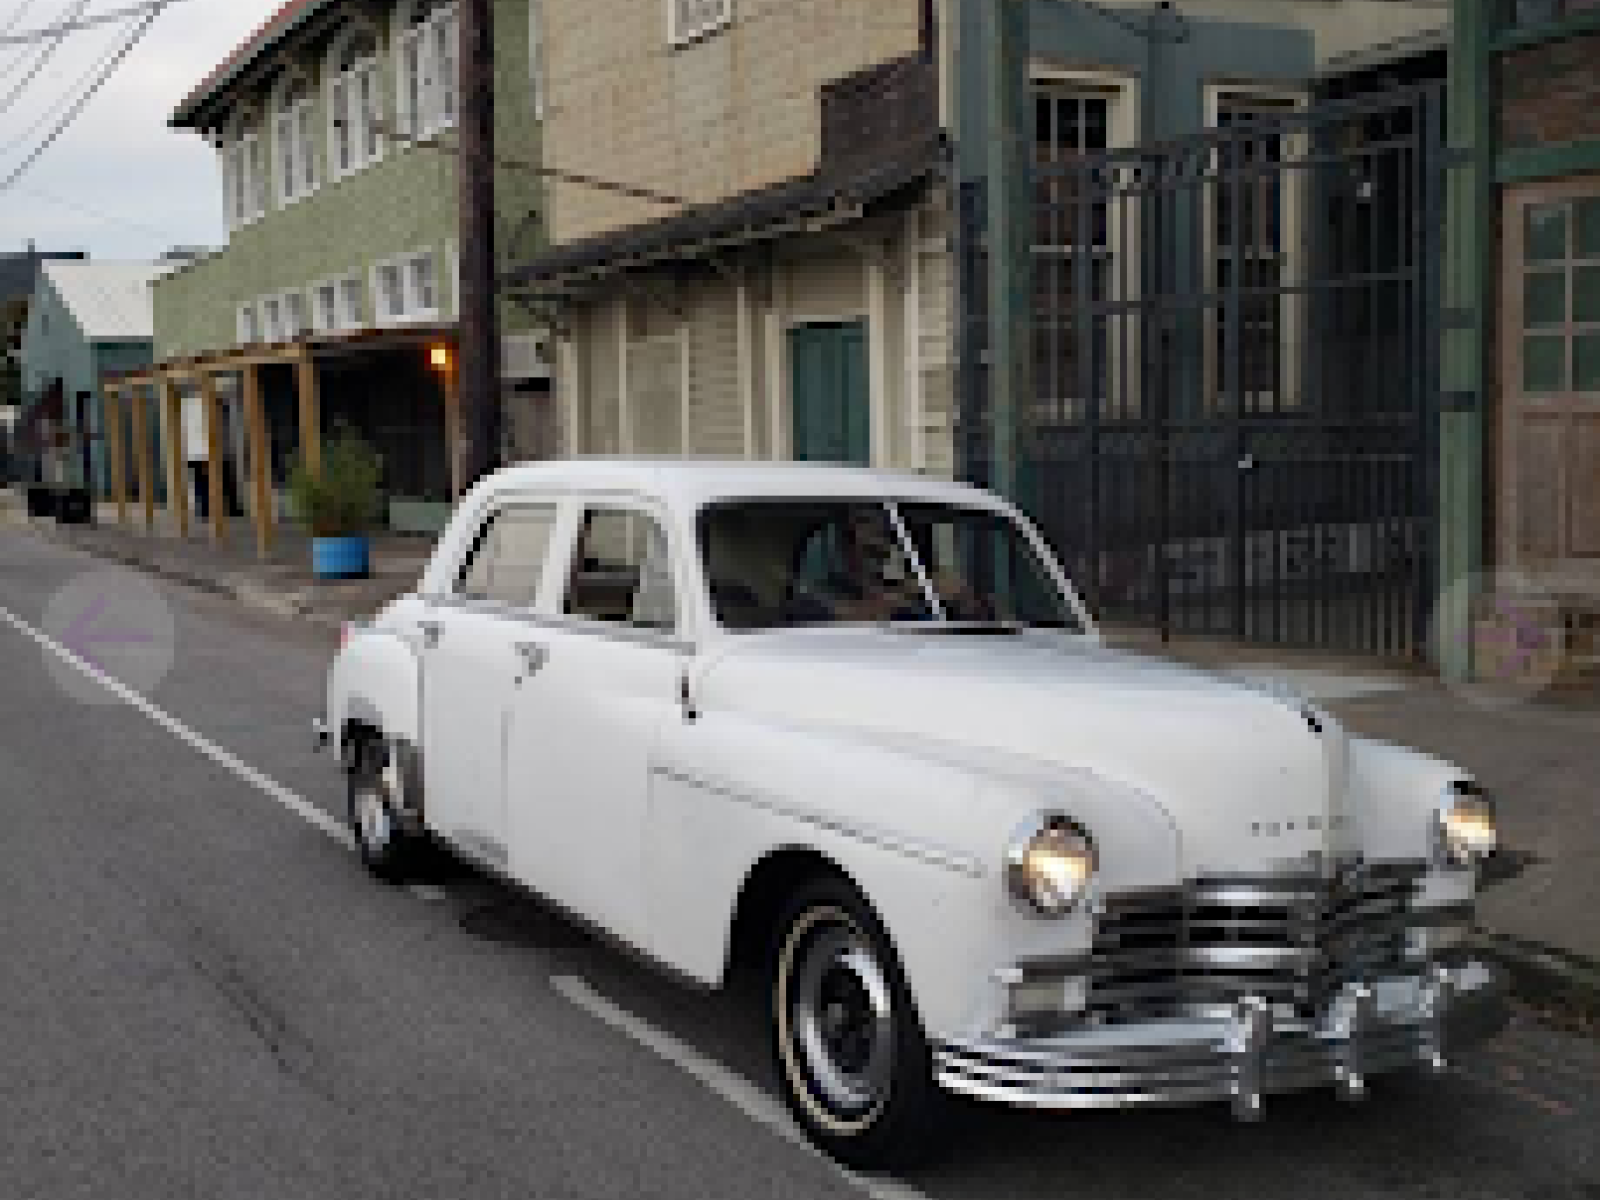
(246, 362)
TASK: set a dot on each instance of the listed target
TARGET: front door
(585, 726)
(1550, 381)
(832, 399)
(474, 661)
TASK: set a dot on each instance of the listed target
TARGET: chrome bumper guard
(1367, 1030)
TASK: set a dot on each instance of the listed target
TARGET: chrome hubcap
(373, 822)
(840, 1018)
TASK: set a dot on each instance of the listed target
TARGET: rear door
(473, 661)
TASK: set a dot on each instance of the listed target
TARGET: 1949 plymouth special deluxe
(857, 732)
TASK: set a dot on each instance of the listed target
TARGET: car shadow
(1415, 1136)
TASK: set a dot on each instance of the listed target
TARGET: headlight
(1466, 831)
(1050, 864)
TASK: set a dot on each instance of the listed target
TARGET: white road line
(739, 1092)
(301, 808)
(735, 1089)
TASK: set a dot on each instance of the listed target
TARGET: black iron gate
(1236, 373)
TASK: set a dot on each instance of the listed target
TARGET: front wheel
(851, 1057)
(383, 844)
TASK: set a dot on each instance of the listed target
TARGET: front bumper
(1253, 1051)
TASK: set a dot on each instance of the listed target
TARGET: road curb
(1547, 978)
(242, 592)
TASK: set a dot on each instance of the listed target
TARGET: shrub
(344, 500)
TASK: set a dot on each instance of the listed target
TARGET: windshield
(775, 564)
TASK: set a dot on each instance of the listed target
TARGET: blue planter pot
(341, 557)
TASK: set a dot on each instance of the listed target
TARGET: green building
(336, 294)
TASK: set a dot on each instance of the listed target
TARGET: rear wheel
(851, 1057)
(383, 844)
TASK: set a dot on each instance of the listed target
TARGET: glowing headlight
(1466, 826)
(1050, 865)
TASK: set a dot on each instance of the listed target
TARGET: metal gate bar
(1237, 373)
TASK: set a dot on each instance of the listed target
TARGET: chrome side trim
(584, 625)
(921, 851)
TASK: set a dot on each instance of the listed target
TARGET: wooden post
(260, 459)
(305, 385)
(117, 451)
(454, 447)
(177, 486)
(217, 497)
(142, 463)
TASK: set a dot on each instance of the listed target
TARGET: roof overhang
(828, 198)
(291, 17)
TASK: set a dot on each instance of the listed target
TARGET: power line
(135, 36)
(42, 61)
(56, 106)
(78, 206)
(76, 22)
(12, 22)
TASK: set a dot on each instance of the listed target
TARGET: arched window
(427, 54)
(293, 131)
(244, 177)
(354, 112)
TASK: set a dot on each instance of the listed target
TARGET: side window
(622, 572)
(508, 557)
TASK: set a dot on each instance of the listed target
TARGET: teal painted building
(86, 320)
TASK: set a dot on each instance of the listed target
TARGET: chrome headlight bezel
(1056, 834)
(1466, 832)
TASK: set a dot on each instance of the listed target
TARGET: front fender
(920, 828)
(376, 681)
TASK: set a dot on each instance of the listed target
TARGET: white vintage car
(856, 731)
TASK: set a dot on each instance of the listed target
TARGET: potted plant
(339, 506)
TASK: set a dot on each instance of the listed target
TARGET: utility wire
(634, 191)
(135, 36)
(78, 206)
(42, 61)
(78, 22)
(61, 101)
(12, 22)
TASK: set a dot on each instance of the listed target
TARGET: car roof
(694, 483)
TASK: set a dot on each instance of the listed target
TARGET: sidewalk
(282, 586)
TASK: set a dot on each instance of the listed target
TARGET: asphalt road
(202, 995)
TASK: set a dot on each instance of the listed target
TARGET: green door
(832, 399)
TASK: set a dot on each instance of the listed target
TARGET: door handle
(432, 631)
(534, 656)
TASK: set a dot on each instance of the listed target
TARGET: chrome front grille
(1294, 940)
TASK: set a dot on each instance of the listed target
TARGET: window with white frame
(283, 316)
(1082, 249)
(244, 183)
(294, 134)
(1252, 231)
(354, 115)
(336, 305)
(271, 318)
(690, 20)
(427, 57)
(247, 325)
(407, 288)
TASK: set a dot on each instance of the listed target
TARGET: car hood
(1251, 780)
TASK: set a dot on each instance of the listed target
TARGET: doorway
(832, 398)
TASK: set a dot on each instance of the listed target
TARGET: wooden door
(832, 398)
(1549, 452)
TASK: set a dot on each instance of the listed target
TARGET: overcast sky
(149, 187)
